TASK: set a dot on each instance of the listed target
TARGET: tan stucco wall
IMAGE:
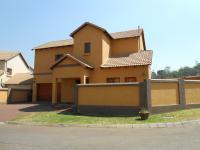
(106, 48)
(94, 36)
(99, 75)
(109, 95)
(192, 93)
(70, 72)
(3, 96)
(47, 78)
(44, 58)
(163, 94)
(123, 47)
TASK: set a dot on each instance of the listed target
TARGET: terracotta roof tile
(126, 34)
(73, 58)
(134, 59)
(115, 35)
(20, 78)
(6, 55)
(56, 44)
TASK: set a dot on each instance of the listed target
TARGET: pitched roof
(1, 72)
(126, 34)
(6, 55)
(56, 44)
(20, 79)
(134, 59)
(91, 24)
(73, 58)
(115, 35)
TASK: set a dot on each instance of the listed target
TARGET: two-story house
(93, 55)
(11, 63)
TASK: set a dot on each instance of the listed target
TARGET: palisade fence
(8, 95)
(128, 98)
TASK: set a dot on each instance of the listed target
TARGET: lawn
(68, 118)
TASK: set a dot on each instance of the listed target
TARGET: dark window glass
(87, 80)
(9, 71)
(58, 56)
(113, 80)
(130, 79)
(87, 47)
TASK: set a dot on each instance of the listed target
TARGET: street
(19, 137)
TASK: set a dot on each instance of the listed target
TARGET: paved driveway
(74, 138)
(11, 111)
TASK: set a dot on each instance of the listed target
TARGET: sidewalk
(148, 125)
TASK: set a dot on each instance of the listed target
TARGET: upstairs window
(113, 80)
(9, 71)
(130, 79)
(87, 48)
(58, 56)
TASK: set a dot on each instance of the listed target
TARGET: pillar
(54, 92)
(34, 92)
(83, 79)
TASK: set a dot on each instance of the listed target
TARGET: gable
(91, 25)
(68, 61)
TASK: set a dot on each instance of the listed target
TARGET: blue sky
(172, 27)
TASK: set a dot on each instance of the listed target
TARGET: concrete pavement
(21, 137)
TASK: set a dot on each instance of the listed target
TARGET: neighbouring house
(93, 55)
(11, 63)
(20, 81)
(17, 89)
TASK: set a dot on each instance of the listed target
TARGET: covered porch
(68, 72)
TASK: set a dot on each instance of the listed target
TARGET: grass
(68, 118)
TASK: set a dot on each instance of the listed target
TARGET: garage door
(44, 91)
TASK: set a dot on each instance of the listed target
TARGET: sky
(172, 27)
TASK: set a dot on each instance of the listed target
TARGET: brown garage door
(44, 91)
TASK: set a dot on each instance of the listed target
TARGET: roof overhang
(74, 59)
(91, 24)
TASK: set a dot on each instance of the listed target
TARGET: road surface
(21, 137)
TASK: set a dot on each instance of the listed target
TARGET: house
(93, 55)
(20, 81)
(11, 63)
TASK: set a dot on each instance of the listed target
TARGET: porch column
(54, 92)
(34, 92)
(83, 79)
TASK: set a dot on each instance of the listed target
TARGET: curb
(148, 125)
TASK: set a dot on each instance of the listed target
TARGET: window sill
(86, 54)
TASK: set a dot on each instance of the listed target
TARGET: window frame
(58, 56)
(87, 47)
(113, 80)
(9, 71)
(127, 78)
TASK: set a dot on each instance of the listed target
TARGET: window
(130, 79)
(9, 71)
(87, 80)
(87, 47)
(78, 81)
(113, 80)
(58, 56)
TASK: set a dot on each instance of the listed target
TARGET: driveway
(11, 111)
(75, 138)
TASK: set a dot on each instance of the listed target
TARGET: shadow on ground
(39, 107)
(70, 112)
